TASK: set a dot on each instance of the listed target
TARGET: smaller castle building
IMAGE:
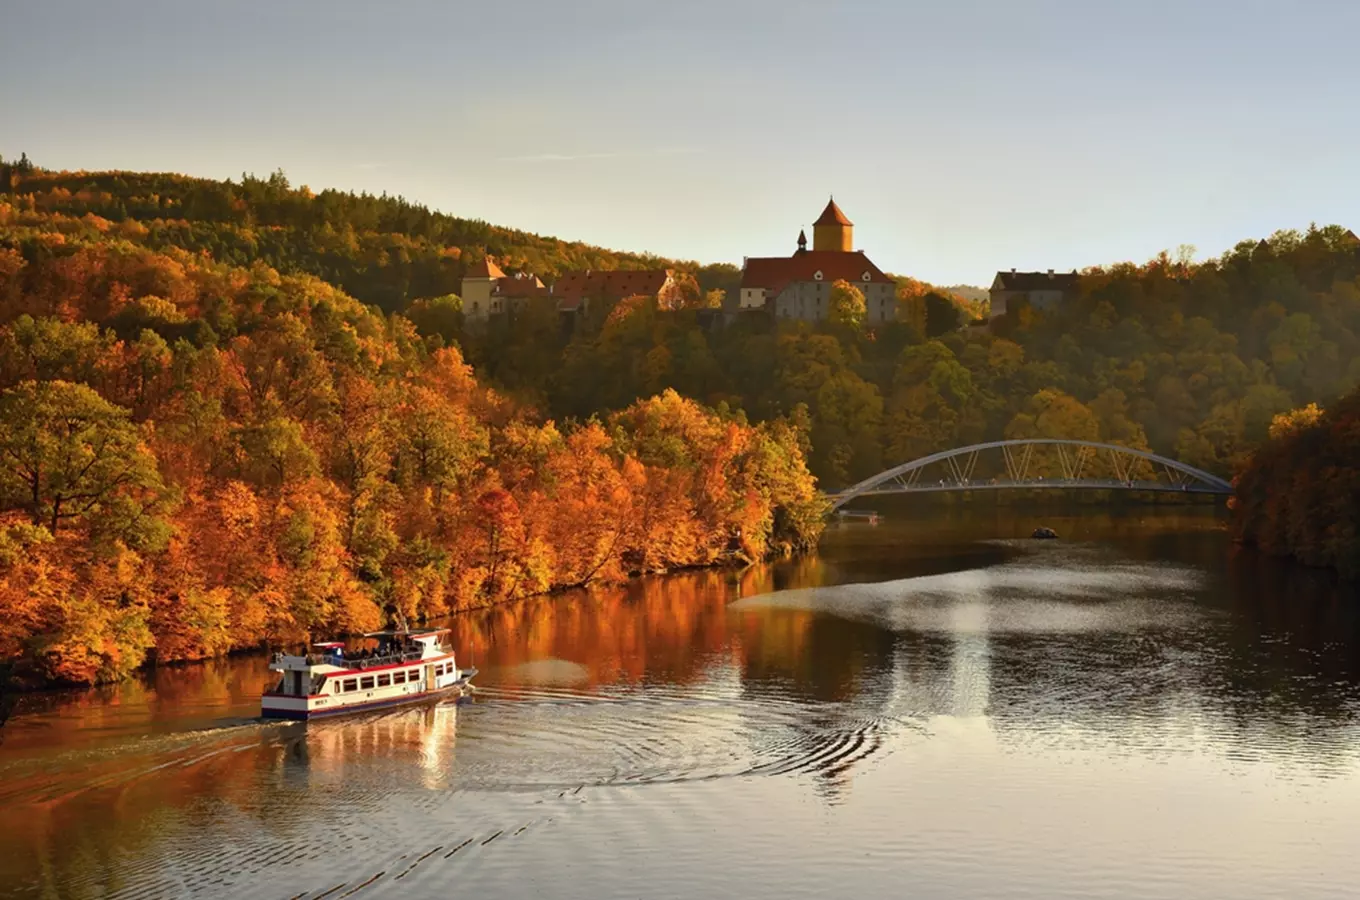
(1042, 290)
(488, 291)
(579, 291)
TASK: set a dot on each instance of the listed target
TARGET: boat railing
(367, 662)
(387, 659)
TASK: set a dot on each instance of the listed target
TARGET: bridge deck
(1036, 484)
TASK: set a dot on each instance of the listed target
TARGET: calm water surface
(927, 709)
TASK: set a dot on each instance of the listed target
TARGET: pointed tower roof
(802, 239)
(832, 215)
(486, 268)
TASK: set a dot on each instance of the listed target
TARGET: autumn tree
(846, 306)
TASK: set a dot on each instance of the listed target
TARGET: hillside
(199, 455)
(1299, 495)
(1191, 360)
(382, 250)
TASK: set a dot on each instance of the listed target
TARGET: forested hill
(199, 455)
(1189, 359)
(239, 413)
(382, 250)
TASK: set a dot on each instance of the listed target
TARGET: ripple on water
(1004, 727)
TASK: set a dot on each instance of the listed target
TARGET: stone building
(799, 286)
(487, 291)
(1042, 290)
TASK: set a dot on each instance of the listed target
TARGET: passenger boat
(405, 668)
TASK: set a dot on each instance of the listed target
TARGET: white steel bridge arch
(1073, 456)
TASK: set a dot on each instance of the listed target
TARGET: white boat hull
(361, 690)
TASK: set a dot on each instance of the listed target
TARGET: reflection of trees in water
(654, 628)
(152, 701)
(74, 833)
(282, 784)
(1269, 670)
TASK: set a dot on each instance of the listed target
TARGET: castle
(785, 287)
(799, 286)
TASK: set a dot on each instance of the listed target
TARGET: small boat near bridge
(405, 668)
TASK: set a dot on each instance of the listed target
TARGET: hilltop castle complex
(785, 287)
(799, 286)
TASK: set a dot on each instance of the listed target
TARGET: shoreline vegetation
(1299, 495)
(241, 413)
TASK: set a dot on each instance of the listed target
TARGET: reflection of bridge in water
(1029, 464)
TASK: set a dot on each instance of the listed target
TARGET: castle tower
(479, 284)
(802, 241)
(833, 231)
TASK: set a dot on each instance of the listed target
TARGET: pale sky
(961, 136)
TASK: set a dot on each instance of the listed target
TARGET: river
(934, 707)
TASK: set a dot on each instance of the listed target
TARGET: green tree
(68, 454)
(942, 314)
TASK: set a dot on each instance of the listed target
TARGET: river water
(929, 708)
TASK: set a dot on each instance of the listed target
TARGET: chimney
(1050, 273)
(1012, 270)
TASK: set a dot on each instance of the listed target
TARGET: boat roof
(428, 632)
(329, 644)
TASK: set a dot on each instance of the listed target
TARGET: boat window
(351, 684)
(384, 680)
(399, 677)
(366, 684)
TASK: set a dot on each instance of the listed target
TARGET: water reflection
(1125, 644)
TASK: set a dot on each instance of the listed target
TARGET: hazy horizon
(961, 140)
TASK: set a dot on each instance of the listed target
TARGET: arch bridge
(1047, 463)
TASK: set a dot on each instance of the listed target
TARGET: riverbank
(666, 484)
(1299, 495)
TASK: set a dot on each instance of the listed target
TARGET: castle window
(817, 276)
(867, 276)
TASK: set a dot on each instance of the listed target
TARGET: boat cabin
(400, 666)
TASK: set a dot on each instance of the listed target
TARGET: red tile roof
(774, 273)
(573, 287)
(832, 215)
(485, 268)
(521, 285)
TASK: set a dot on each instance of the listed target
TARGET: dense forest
(238, 412)
(198, 456)
(1299, 495)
